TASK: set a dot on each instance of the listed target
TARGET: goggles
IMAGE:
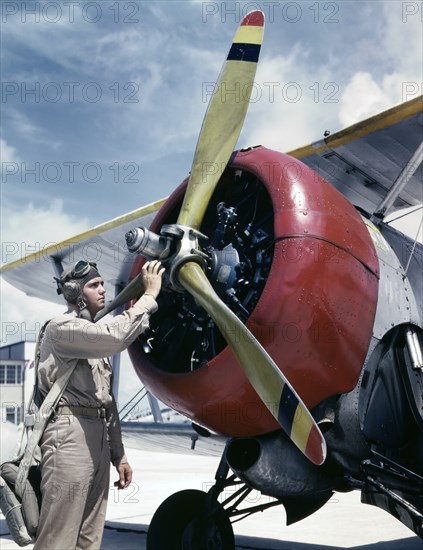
(72, 281)
(81, 269)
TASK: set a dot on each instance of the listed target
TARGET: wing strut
(399, 184)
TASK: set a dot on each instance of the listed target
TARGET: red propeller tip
(253, 19)
(316, 447)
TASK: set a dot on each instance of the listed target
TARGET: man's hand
(152, 277)
(125, 476)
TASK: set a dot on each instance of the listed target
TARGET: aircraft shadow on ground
(256, 543)
(259, 543)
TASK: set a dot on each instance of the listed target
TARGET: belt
(99, 412)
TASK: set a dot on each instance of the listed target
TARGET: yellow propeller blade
(219, 133)
(224, 118)
(263, 374)
(218, 136)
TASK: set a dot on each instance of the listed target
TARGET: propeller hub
(176, 245)
(145, 243)
(185, 242)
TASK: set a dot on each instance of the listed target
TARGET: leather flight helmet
(72, 281)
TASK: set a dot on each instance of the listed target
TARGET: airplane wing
(104, 244)
(365, 160)
(171, 438)
(362, 161)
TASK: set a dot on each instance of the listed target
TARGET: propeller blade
(224, 118)
(263, 374)
(134, 289)
(219, 133)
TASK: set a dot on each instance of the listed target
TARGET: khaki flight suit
(77, 449)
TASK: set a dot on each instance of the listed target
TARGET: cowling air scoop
(216, 142)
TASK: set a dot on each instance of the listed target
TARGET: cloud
(362, 98)
(26, 229)
(397, 73)
(313, 75)
(9, 159)
(402, 28)
(22, 317)
(7, 152)
(29, 131)
(290, 105)
(30, 228)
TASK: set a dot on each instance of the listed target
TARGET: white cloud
(362, 98)
(172, 57)
(30, 228)
(21, 316)
(25, 230)
(368, 93)
(7, 152)
(402, 40)
(30, 131)
(290, 106)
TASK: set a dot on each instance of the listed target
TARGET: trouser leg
(94, 516)
(73, 448)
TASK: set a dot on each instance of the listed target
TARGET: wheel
(181, 523)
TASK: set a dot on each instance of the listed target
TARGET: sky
(102, 102)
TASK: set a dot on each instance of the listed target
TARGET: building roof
(19, 351)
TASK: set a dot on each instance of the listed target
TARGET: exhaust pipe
(274, 466)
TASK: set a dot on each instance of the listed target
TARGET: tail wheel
(190, 520)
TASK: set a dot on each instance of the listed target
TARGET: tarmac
(342, 523)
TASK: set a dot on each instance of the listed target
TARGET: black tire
(181, 523)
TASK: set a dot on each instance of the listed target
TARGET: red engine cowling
(315, 313)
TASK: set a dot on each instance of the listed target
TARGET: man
(84, 434)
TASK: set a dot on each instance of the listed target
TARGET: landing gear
(194, 520)
(190, 520)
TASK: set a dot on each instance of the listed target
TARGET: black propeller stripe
(244, 52)
(287, 409)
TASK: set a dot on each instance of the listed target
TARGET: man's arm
(81, 339)
(117, 451)
(77, 338)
